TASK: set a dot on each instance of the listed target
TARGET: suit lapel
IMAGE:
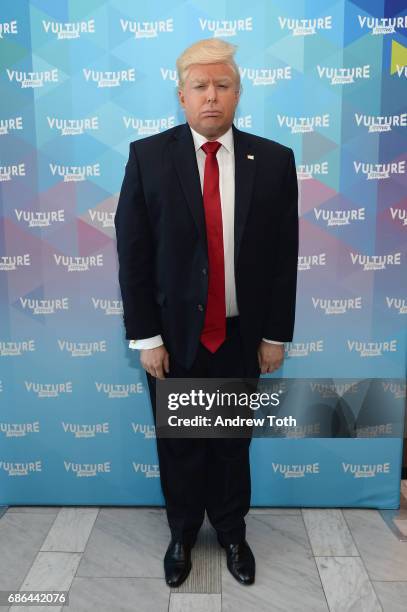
(245, 165)
(187, 169)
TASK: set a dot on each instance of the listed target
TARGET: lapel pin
(250, 156)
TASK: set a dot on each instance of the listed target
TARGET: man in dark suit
(207, 239)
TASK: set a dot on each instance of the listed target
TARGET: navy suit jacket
(162, 249)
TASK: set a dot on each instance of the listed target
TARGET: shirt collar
(226, 139)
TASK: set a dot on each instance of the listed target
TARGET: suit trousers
(211, 474)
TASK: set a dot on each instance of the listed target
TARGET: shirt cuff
(272, 341)
(146, 343)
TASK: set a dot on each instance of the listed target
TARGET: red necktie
(214, 330)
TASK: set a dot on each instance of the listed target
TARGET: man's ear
(181, 98)
(238, 93)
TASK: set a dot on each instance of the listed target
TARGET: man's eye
(198, 86)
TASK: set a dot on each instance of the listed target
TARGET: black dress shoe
(240, 561)
(177, 563)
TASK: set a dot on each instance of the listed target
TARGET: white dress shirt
(226, 162)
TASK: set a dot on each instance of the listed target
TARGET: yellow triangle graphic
(398, 56)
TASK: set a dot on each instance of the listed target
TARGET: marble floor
(110, 560)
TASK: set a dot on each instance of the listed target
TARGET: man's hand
(155, 361)
(270, 356)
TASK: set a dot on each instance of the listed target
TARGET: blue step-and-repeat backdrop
(79, 81)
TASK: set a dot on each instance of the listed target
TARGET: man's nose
(211, 92)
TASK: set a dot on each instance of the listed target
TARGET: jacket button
(200, 307)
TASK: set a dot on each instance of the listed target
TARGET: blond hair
(207, 51)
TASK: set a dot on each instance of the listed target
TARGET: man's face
(209, 98)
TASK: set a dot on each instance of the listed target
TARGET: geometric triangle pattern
(79, 82)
